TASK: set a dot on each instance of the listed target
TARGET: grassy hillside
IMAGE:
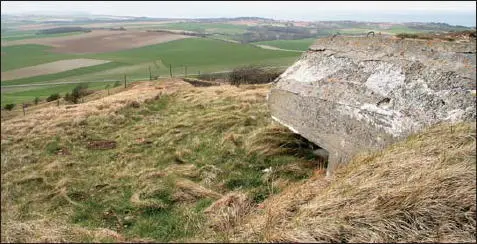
(300, 45)
(142, 171)
(28, 94)
(169, 162)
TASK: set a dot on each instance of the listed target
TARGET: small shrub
(406, 35)
(78, 92)
(37, 100)
(117, 83)
(53, 97)
(9, 106)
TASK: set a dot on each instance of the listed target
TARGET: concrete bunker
(353, 94)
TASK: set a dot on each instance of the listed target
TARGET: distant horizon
(452, 13)
(260, 17)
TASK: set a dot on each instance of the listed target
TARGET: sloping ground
(50, 68)
(143, 164)
(48, 119)
(422, 189)
(166, 161)
(101, 41)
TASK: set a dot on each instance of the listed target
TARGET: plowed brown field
(101, 41)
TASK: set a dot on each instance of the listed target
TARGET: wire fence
(174, 72)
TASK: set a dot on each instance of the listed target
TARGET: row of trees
(59, 30)
(269, 32)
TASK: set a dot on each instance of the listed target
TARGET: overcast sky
(456, 13)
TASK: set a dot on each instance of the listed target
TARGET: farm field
(101, 41)
(50, 68)
(198, 54)
(19, 56)
(300, 45)
(32, 35)
(205, 27)
(139, 54)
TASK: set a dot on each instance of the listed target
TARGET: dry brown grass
(170, 140)
(48, 119)
(51, 231)
(422, 189)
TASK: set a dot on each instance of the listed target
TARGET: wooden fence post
(150, 74)
(185, 71)
(23, 107)
(170, 69)
(124, 80)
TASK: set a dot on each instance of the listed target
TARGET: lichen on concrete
(353, 94)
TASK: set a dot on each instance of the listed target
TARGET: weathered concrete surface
(352, 94)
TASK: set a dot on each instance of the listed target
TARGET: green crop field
(32, 35)
(301, 44)
(19, 56)
(210, 55)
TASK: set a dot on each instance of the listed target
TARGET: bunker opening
(309, 150)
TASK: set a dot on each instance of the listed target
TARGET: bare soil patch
(101, 41)
(102, 144)
(50, 68)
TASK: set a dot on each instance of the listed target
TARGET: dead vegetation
(449, 36)
(207, 164)
(421, 189)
